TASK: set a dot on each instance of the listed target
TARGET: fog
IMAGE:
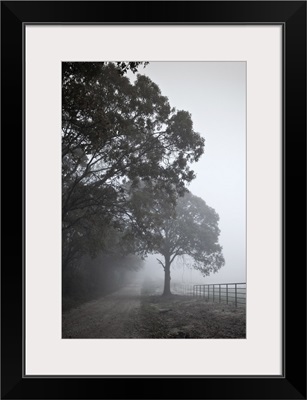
(111, 286)
(215, 95)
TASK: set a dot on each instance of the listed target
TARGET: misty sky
(215, 94)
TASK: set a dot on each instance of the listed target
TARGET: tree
(189, 227)
(114, 132)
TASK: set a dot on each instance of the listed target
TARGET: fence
(229, 293)
(185, 289)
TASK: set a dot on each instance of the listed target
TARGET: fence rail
(229, 293)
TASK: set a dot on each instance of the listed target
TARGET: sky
(215, 95)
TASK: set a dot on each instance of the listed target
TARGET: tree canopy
(187, 227)
(116, 132)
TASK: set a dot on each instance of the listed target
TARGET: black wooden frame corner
(292, 16)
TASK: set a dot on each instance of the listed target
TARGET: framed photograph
(163, 151)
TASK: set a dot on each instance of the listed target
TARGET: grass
(186, 317)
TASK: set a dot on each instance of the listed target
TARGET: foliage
(194, 232)
(188, 227)
(114, 134)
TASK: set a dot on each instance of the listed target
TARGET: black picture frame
(292, 16)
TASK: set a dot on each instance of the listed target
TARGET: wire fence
(229, 293)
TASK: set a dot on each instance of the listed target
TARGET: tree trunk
(167, 278)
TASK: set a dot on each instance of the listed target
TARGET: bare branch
(160, 262)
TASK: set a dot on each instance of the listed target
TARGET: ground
(128, 314)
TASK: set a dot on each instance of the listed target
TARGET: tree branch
(160, 262)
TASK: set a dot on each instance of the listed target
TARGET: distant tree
(114, 132)
(188, 228)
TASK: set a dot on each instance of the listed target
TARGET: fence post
(219, 293)
(213, 291)
(236, 301)
(227, 293)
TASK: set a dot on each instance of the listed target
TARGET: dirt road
(109, 317)
(126, 314)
